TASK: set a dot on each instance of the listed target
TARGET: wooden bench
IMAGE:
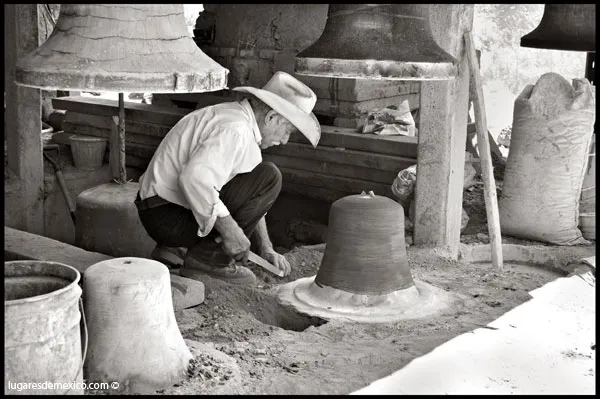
(345, 161)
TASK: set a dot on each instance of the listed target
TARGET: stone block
(186, 292)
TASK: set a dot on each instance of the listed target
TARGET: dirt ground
(245, 342)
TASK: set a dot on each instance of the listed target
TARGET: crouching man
(207, 188)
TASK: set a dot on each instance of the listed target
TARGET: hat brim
(306, 123)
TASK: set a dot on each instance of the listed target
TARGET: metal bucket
(88, 151)
(42, 338)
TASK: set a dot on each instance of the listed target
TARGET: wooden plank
(487, 169)
(332, 136)
(342, 184)
(69, 127)
(333, 169)
(145, 118)
(342, 156)
(133, 111)
(104, 122)
(318, 193)
(113, 148)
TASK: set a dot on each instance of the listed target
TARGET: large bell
(570, 27)
(377, 41)
(121, 48)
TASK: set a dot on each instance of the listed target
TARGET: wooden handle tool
(254, 258)
(487, 170)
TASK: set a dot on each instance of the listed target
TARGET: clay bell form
(364, 275)
(366, 250)
(121, 48)
(133, 336)
(377, 41)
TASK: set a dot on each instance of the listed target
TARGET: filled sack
(552, 128)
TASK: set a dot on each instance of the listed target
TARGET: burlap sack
(551, 135)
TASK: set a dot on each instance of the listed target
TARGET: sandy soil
(245, 342)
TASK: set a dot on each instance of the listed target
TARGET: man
(207, 189)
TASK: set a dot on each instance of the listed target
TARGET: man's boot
(208, 258)
(170, 256)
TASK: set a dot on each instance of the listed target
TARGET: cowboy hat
(291, 99)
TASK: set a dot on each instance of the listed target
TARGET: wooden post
(114, 149)
(442, 137)
(487, 170)
(24, 117)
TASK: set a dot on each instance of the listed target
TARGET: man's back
(226, 128)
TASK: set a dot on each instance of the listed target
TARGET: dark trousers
(247, 196)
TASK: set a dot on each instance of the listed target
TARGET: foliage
(506, 67)
(498, 29)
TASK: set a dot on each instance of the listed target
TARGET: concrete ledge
(559, 258)
(20, 245)
(544, 346)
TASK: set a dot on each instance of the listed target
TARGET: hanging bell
(377, 41)
(121, 48)
(570, 27)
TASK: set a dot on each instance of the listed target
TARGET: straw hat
(293, 100)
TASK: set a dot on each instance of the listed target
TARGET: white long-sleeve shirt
(199, 155)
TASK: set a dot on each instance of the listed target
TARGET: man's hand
(277, 260)
(234, 241)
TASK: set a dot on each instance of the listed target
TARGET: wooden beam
(134, 111)
(333, 169)
(156, 121)
(24, 117)
(342, 156)
(341, 184)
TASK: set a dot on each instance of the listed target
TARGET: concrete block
(108, 222)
